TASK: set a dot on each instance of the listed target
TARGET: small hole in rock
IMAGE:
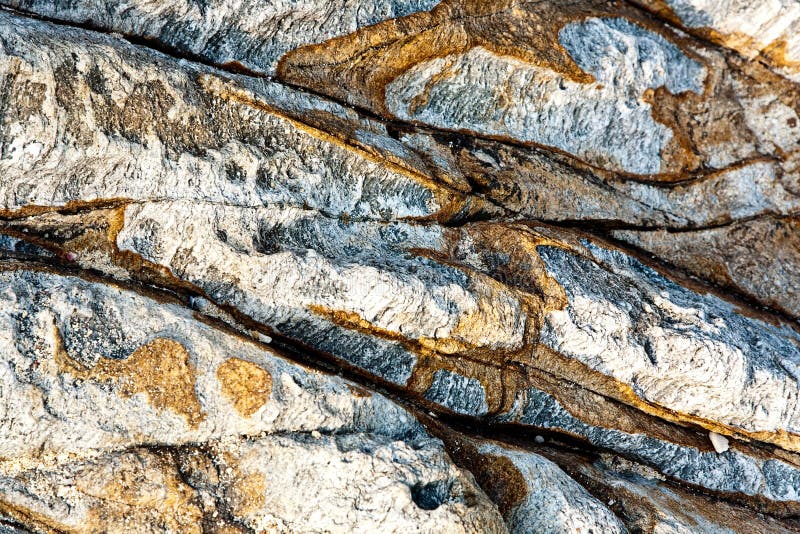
(430, 496)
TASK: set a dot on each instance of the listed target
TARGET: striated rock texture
(766, 31)
(115, 404)
(245, 34)
(389, 266)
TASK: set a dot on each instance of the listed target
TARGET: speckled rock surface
(550, 250)
(115, 404)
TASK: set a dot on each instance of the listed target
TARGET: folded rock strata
(476, 252)
(604, 83)
(746, 117)
(636, 493)
(532, 492)
(95, 375)
(735, 255)
(246, 34)
(604, 322)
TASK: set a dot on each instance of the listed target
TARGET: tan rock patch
(245, 384)
(161, 369)
(247, 494)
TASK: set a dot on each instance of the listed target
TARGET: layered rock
(767, 31)
(710, 138)
(604, 86)
(758, 257)
(602, 83)
(399, 234)
(522, 480)
(244, 34)
(120, 409)
(75, 115)
(636, 342)
(533, 493)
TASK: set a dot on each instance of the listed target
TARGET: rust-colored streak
(523, 276)
(465, 360)
(334, 130)
(32, 519)
(497, 475)
(71, 206)
(774, 53)
(359, 392)
(501, 480)
(357, 67)
(777, 54)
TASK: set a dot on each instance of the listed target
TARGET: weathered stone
(767, 31)
(758, 176)
(91, 372)
(242, 34)
(669, 322)
(122, 120)
(532, 492)
(275, 483)
(759, 257)
(641, 497)
(395, 229)
(645, 502)
(602, 83)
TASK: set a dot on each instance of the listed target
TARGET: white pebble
(263, 337)
(720, 443)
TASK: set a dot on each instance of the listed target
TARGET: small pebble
(539, 439)
(719, 442)
(263, 338)
(315, 434)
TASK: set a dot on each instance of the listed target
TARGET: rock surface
(532, 492)
(246, 34)
(767, 31)
(115, 404)
(559, 237)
